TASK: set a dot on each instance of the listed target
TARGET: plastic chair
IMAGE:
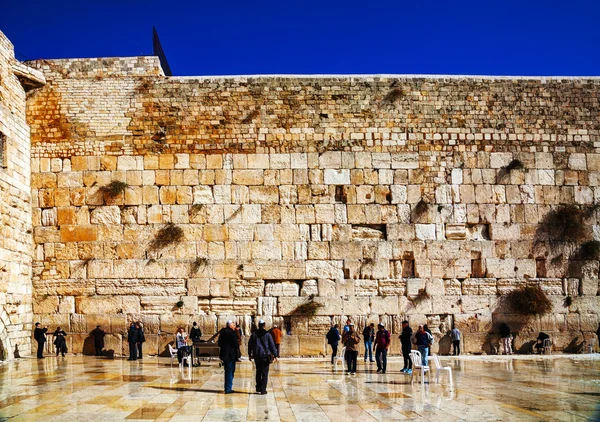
(439, 368)
(547, 346)
(592, 345)
(172, 352)
(341, 355)
(416, 358)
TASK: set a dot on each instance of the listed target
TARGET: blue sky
(484, 37)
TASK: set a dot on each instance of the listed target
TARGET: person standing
(351, 340)
(195, 333)
(426, 328)
(98, 334)
(333, 339)
(261, 348)
(39, 334)
(455, 335)
(506, 337)
(382, 344)
(133, 336)
(423, 340)
(347, 326)
(228, 353)
(276, 334)
(181, 342)
(60, 343)
(142, 338)
(405, 340)
(368, 337)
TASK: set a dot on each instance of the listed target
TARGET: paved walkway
(78, 388)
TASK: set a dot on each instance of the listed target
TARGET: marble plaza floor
(85, 388)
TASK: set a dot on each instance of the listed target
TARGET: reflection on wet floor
(485, 389)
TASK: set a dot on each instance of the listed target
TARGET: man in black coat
(260, 348)
(405, 340)
(39, 334)
(98, 334)
(133, 338)
(141, 338)
(229, 353)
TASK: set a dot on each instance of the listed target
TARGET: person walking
(141, 338)
(423, 340)
(368, 337)
(261, 349)
(506, 337)
(133, 336)
(39, 334)
(333, 339)
(228, 353)
(351, 340)
(405, 340)
(277, 335)
(98, 334)
(60, 343)
(382, 344)
(455, 335)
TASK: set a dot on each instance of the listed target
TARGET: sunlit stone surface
(485, 389)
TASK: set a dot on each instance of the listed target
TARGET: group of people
(40, 336)
(262, 349)
(379, 341)
(135, 338)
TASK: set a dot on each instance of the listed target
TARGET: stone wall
(380, 198)
(16, 242)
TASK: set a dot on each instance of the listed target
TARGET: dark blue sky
(486, 37)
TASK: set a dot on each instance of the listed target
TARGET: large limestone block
(59, 287)
(425, 231)
(365, 287)
(354, 305)
(504, 231)
(500, 268)
(413, 285)
(248, 288)
(394, 287)
(312, 345)
(456, 231)
(45, 304)
(78, 234)
(405, 160)
(98, 304)
(336, 176)
(285, 288)
(324, 269)
(248, 177)
(198, 287)
(149, 287)
(219, 288)
(170, 323)
(387, 305)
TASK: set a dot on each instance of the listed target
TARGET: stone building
(305, 200)
(16, 241)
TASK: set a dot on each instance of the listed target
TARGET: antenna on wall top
(158, 51)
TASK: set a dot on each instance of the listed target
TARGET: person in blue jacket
(333, 339)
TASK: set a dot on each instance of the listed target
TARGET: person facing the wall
(60, 343)
(228, 353)
(382, 343)
(141, 339)
(98, 335)
(261, 348)
(455, 336)
(133, 336)
(333, 339)
(277, 335)
(39, 334)
(506, 338)
(405, 340)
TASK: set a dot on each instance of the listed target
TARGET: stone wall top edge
(99, 66)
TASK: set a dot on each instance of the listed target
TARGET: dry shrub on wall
(307, 309)
(563, 224)
(166, 236)
(420, 297)
(198, 263)
(528, 300)
(113, 189)
(393, 96)
(589, 251)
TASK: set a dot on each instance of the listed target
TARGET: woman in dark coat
(142, 338)
(60, 342)
(98, 334)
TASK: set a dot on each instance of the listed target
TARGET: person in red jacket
(382, 344)
(276, 334)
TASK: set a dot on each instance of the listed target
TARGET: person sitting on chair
(539, 343)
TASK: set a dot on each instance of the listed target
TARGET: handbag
(270, 356)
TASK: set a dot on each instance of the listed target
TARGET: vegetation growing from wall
(528, 300)
(166, 236)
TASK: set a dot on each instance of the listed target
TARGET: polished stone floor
(84, 388)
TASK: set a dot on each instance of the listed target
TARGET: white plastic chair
(341, 356)
(547, 346)
(591, 345)
(172, 352)
(439, 368)
(417, 361)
